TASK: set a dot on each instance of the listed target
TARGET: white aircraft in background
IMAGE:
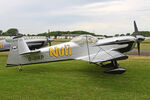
(32, 43)
(84, 47)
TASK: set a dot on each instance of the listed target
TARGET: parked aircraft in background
(32, 43)
(84, 47)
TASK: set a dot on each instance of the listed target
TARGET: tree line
(15, 31)
(60, 33)
(10, 32)
(144, 33)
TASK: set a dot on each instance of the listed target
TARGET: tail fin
(18, 47)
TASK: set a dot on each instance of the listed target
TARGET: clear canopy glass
(84, 39)
(9, 40)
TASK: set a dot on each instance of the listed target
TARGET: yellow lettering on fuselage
(60, 51)
(66, 53)
(1, 45)
(69, 49)
(52, 52)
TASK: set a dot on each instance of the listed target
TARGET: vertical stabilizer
(18, 47)
(22, 46)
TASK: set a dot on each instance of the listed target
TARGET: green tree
(116, 35)
(59, 33)
(122, 35)
(144, 33)
(128, 34)
(1, 32)
(12, 32)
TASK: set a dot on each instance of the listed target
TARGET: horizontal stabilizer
(31, 52)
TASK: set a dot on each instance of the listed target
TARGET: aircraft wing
(104, 56)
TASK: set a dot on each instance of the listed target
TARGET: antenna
(88, 48)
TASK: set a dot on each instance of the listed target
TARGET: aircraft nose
(140, 38)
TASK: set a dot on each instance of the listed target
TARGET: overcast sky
(100, 16)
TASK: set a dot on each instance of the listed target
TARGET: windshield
(84, 39)
(8, 39)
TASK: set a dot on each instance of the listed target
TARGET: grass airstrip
(145, 44)
(75, 80)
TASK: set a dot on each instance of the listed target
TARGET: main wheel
(20, 70)
(109, 65)
(116, 71)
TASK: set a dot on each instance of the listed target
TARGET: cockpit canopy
(9, 40)
(82, 39)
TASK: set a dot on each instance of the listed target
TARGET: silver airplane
(84, 47)
(32, 43)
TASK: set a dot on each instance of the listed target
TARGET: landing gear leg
(109, 65)
(116, 69)
(115, 64)
(20, 68)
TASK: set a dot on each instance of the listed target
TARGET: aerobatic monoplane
(84, 47)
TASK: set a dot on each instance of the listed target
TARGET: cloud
(100, 16)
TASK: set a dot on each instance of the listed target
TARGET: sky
(106, 17)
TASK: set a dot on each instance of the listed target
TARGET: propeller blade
(138, 46)
(138, 36)
(136, 29)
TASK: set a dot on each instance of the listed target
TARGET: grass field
(57, 41)
(148, 40)
(75, 80)
(145, 44)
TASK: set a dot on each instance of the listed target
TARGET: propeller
(138, 46)
(139, 37)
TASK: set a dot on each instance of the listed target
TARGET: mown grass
(58, 41)
(145, 44)
(62, 40)
(148, 40)
(75, 80)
